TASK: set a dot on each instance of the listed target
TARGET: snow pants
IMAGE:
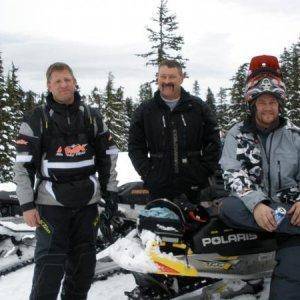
(65, 248)
(285, 283)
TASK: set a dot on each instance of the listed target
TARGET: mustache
(168, 85)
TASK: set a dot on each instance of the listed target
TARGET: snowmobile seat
(217, 237)
(165, 219)
(9, 204)
(133, 193)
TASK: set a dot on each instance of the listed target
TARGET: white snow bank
(7, 186)
(125, 169)
(130, 252)
(16, 227)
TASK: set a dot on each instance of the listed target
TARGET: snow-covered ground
(16, 285)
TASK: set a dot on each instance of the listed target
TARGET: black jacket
(174, 151)
(59, 144)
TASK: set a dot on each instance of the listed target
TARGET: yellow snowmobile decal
(168, 265)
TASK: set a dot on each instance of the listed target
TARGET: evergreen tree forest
(117, 110)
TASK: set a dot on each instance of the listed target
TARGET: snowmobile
(17, 244)
(17, 240)
(175, 254)
(9, 205)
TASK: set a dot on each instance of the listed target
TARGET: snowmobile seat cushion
(134, 193)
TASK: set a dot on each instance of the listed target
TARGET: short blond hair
(58, 66)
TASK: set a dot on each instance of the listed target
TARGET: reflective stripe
(48, 187)
(23, 158)
(69, 165)
(112, 151)
(95, 184)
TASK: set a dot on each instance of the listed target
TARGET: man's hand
(264, 217)
(295, 213)
(32, 217)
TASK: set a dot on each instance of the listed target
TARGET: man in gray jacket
(60, 147)
(260, 163)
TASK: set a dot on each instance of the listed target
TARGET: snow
(131, 254)
(16, 227)
(7, 186)
(126, 172)
(17, 285)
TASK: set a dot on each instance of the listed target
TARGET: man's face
(62, 85)
(267, 110)
(169, 82)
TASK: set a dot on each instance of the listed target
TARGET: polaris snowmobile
(190, 253)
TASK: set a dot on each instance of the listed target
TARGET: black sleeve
(211, 141)
(106, 153)
(137, 144)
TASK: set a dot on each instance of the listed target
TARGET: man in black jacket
(62, 144)
(174, 145)
(174, 140)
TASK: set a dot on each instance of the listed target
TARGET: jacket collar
(184, 99)
(62, 108)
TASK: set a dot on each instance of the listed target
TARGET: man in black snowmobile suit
(260, 163)
(60, 147)
(174, 142)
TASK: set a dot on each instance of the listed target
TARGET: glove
(210, 193)
(106, 216)
(111, 204)
(191, 211)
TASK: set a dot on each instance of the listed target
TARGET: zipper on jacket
(175, 148)
(279, 174)
(184, 159)
(164, 121)
(68, 117)
(183, 120)
(269, 165)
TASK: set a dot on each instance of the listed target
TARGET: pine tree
(29, 101)
(166, 44)
(237, 109)
(129, 108)
(5, 131)
(196, 88)
(114, 113)
(211, 101)
(290, 67)
(222, 107)
(14, 107)
(96, 98)
(145, 92)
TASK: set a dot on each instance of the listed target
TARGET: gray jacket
(254, 174)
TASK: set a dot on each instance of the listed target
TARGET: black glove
(213, 192)
(107, 215)
(191, 211)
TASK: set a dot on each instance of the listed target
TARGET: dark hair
(58, 66)
(171, 64)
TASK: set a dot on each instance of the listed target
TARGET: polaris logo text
(231, 238)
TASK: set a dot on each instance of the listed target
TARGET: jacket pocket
(74, 194)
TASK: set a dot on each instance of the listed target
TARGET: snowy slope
(16, 285)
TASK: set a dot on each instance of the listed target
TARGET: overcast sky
(99, 36)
